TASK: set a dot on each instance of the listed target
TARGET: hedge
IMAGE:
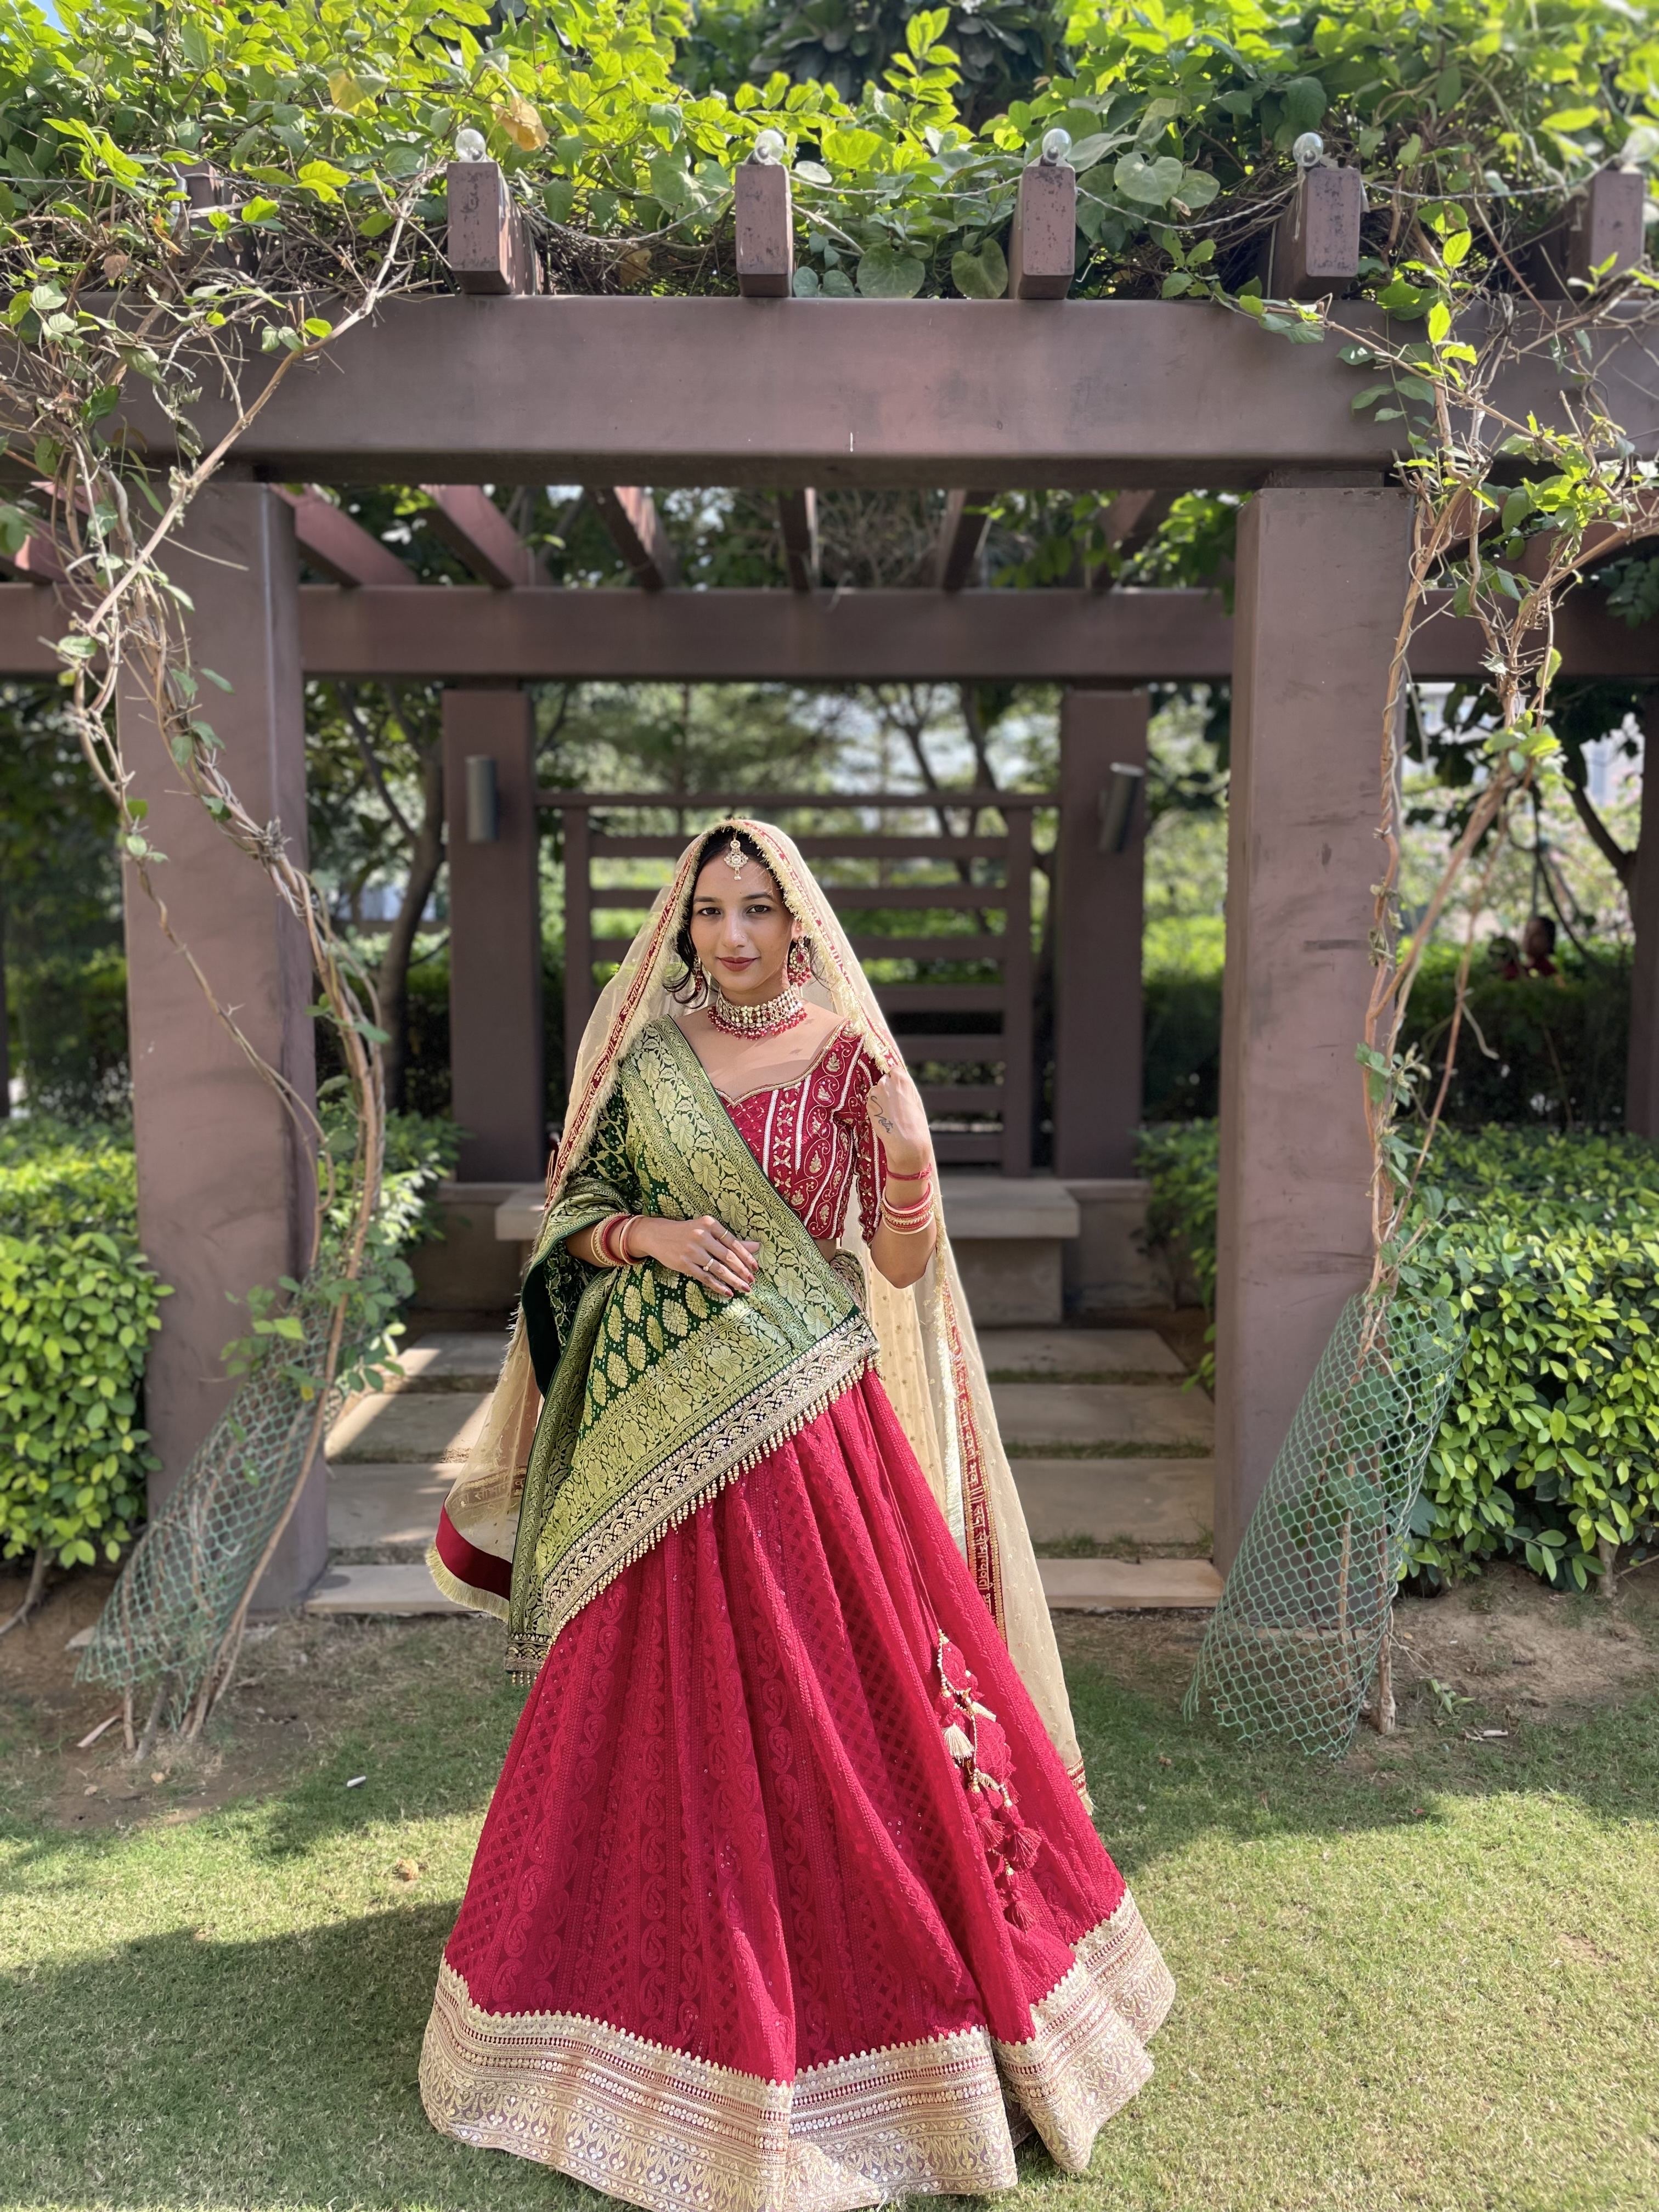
(1550, 1247)
(78, 1304)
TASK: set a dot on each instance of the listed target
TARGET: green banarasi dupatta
(662, 1393)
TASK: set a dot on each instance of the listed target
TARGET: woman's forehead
(719, 880)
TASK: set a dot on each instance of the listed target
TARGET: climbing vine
(197, 199)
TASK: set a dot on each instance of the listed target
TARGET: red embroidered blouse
(811, 1137)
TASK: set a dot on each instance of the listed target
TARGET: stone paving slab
(1124, 1586)
(1101, 1414)
(399, 1589)
(1078, 1352)
(452, 1360)
(1152, 1501)
(382, 1503)
(421, 1426)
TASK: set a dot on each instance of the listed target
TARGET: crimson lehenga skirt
(732, 1938)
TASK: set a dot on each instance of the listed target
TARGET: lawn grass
(1423, 1979)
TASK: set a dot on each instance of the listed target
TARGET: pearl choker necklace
(770, 1018)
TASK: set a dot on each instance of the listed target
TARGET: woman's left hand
(900, 1121)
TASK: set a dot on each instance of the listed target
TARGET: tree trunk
(32, 1595)
(425, 859)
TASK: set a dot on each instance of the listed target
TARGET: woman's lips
(725, 962)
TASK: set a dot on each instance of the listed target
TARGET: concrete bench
(1007, 1233)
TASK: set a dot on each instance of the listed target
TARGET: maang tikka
(734, 856)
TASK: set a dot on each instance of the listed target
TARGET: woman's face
(741, 929)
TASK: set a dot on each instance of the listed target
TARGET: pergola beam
(463, 633)
(479, 535)
(337, 546)
(1133, 519)
(797, 518)
(630, 513)
(1071, 395)
(962, 537)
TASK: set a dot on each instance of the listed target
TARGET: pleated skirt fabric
(733, 1939)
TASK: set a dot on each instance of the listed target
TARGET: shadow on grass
(277, 2072)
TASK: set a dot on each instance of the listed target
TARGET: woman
(788, 1897)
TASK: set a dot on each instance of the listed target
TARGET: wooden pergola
(499, 384)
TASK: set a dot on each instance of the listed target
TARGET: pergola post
(1642, 1068)
(227, 1185)
(1100, 872)
(494, 933)
(1321, 583)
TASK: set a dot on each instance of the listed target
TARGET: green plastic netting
(1293, 1644)
(168, 1617)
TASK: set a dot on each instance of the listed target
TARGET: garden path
(1110, 1453)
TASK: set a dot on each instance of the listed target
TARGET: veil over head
(929, 1359)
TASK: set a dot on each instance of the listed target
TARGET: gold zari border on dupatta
(690, 1477)
(661, 2129)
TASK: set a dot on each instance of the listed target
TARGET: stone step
(386, 1504)
(452, 1360)
(1069, 1585)
(399, 1589)
(1101, 1414)
(1125, 1586)
(418, 1426)
(1151, 1501)
(1074, 1352)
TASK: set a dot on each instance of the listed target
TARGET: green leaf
(886, 274)
(1152, 184)
(847, 149)
(982, 276)
(324, 181)
(1198, 188)
(1439, 321)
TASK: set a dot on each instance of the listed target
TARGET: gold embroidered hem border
(1087, 2056)
(661, 2130)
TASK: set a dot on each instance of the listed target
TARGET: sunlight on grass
(1423, 1979)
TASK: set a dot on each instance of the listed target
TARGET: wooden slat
(962, 535)
(949, 1099)
(940, 998)
(990, 898)
(476, 531)
(1016, 1018)
(957, 946)
(956, 1148)
(790, 802)
(630, 513)
(337, 546)
(579, 991)
(976, 1051)
(1133, 519)
(798, 518)
(827, 847)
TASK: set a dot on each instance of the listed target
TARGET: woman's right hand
(709, 1255)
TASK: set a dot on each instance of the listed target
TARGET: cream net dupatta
(930, 1361)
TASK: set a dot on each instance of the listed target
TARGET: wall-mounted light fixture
(1117, 806)
(483, 805)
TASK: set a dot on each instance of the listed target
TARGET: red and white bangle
(912, 1220)
(611, 1240)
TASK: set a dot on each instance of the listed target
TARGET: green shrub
(78, 1304)
(1549, 1246)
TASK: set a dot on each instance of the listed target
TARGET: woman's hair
(691, 987)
